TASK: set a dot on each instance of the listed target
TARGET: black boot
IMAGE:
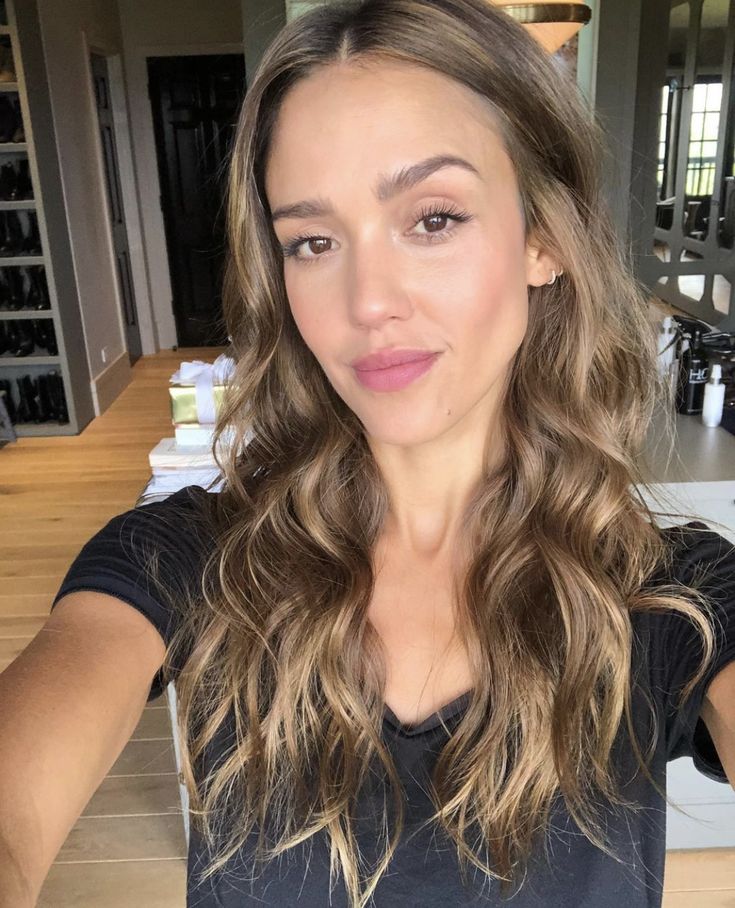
(7, 395)
(12, 234)
(44, 336)
(56, 386)
(23, 411)
(22, 343)
(20, 281)
(28, 408)
(6, 240)
(8, 182)
(32, 393)
(38, 297)
(15, 288)
(19, 134)
(46, 403)
(4, 292)
(8, 118)
(30, 243)
(12, 341)
(23, 187)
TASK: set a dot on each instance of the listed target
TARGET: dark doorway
(117, 211)
(195, 102)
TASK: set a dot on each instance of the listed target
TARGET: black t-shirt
(424, 871)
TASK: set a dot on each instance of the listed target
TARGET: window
(703, 138)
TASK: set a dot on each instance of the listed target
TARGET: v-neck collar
(430, 722)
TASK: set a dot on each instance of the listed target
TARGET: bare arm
(68, 705)
(718, 714)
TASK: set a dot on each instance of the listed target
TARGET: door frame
(133, 226)
(156, 251)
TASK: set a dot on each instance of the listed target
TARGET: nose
(376, 285)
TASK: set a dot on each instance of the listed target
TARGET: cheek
(491, 296)
(309, 317)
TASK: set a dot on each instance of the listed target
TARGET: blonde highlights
(560, 544)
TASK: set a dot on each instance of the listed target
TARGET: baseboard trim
(109, 384)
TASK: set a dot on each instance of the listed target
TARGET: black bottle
(693, 376)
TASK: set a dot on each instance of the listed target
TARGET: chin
(400, 431)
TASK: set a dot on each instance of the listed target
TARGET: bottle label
(697, 376)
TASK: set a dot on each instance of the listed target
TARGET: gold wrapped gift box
(184, 403)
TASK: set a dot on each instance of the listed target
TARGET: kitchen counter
(701, 454)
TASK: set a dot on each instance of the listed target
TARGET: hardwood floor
(128, 849)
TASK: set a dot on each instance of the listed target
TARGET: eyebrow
(387, 186)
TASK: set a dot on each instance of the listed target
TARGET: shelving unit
(41, 381)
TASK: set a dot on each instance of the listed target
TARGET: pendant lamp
(551, 22)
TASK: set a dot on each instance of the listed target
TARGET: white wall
(63, 27)
(159, 28)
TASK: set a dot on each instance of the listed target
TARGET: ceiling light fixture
(551, 22)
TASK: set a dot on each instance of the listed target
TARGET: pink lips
(390, 370)
(383, 359)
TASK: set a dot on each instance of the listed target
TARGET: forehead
(347, 119)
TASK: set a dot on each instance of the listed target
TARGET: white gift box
(195, 434)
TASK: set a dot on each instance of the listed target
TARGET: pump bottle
(714, 397)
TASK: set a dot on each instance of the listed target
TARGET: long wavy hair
(559, 536)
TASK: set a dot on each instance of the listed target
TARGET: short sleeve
(706, 560)
(115, 560)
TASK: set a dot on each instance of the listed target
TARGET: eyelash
(289, 250)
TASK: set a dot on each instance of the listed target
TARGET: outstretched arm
(718, 714)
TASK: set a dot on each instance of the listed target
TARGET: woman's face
(378, 269)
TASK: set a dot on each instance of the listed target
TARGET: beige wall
(126, 31)
(67, 29)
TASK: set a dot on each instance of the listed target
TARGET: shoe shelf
(7, 360)
(41, 428)
(8, 261)
(18, 315)
(43, 381)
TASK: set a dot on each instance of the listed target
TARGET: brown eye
(437, 219)
(291, 250)
(438, 216)
(313, 244)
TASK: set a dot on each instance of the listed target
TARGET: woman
(430, 645)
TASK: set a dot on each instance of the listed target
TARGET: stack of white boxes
(186, 458)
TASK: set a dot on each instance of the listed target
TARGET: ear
(539, 265)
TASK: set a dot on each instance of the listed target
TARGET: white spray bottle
(666, 345)
(714, 397)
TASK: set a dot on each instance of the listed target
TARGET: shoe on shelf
(7, 68)
(8, 182)
(23, 188)
(6, 391)
(58, 398)
(14, 293)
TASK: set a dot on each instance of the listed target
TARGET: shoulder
(699, 557)
(693, 555)
(178, 523)
(174, 535)
(699, 552)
